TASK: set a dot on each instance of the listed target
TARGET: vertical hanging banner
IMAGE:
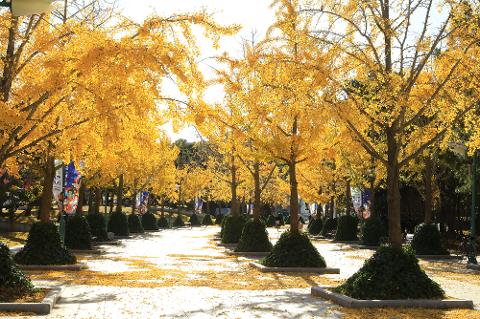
(198, 205)
(72, 186)
(142, 202)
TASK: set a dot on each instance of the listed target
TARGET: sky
(253, 15)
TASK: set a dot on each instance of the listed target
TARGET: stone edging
(248, 253)
(86, 251)
(349, 302)
(439, 257)
(109, 243)
(123, 237)
(473, 267)
(317, 270)
(226, 245)
(42, 308)
(73, 267)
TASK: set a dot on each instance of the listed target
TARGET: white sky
(251, 14)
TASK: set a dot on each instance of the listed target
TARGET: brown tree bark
(98, 199)
(235, 206)
(134, 202)
(393, 191)
(428, 184)
(257, 192)
(294, 207)
(120, 194)
(348, 196)
(81, 198)
(47, 192)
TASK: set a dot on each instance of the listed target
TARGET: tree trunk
(81, 198)
(331, 207)
(257, 200)
(348, 196)
(134, 202)
(428, 183)
(111, 195)
(294, 208)
(120, 194)
(393, 191)
(47, 192)
(90, 201)
(98, 199)
(233, 186)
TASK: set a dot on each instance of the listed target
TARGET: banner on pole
(72, 186)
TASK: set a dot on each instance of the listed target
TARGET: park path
(181, 273)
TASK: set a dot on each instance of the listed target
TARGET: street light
(26, 7)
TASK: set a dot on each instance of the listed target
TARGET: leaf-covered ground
(182, 273)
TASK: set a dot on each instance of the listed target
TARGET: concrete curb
(122, 237)
(106, 243)
(362, 246)
(248, 253)
(473, 267)
(41, 308)
(439, 257)
(86, 251)
(325, 270)
(348, 302)
(152, 231)
(73, 267)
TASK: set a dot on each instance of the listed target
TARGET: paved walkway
(183, 274)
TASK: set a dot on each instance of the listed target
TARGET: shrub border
(41, 308)
(325, 270)
(473, 267)
(345, 301)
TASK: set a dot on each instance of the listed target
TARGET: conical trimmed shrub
(163, 223)
(118, 224)
(98, 226)
(427, 241)
(271, 221)
(391, 273)
(44, 247)
(371, 231)
(294, 249)
(346, 228)
(329, 226)
(315, 226)
(207, 220)
(77, 233)
(134, 224)
(232, 229)
(13, 282)
(178, 222)
(149, 222)
(254, 238)
(194, 221)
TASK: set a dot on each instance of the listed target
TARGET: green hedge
(118, 224)
(271, 221)
(254, 238)
(163, 223)
(371, 231)
(315, 226)
(232, 229)
(294, 249)
(98, 226)
(44, 247)
(194, 220)
(207, 220)
(280, 220)
(13, 282)
(134, 224)
(149, 222)
(287, 220)
(329, 226)
(346, 228)
(391, 273)
(77, 233)
(178, 222)
(427, 241)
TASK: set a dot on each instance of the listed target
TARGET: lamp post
(26, 7)
(472, 258)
